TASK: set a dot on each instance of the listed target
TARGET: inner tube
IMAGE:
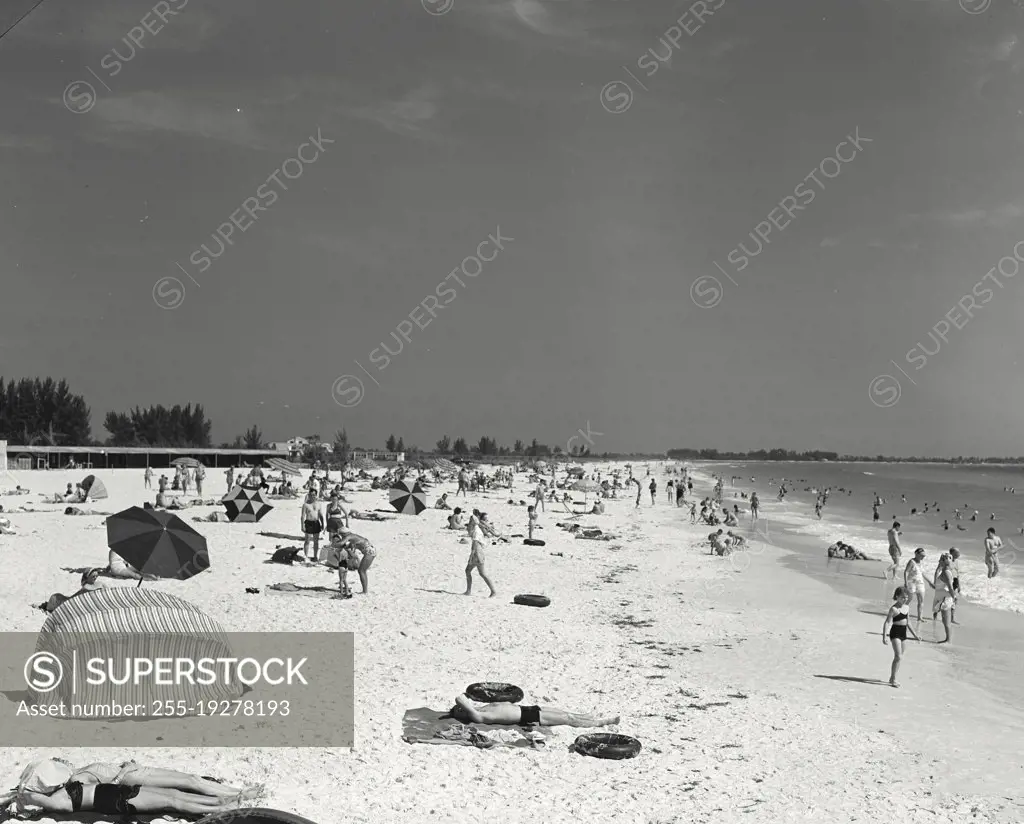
(533, 542)
(532, 600)
(492, 692)
(254, 815)
(607, 745)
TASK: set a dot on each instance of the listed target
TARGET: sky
(622, 150)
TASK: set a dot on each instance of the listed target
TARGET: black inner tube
(492, 692)
(608, 745)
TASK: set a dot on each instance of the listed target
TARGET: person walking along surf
(914, 581)
(755, 504)
(954, 570)
(895, 550)
(944, 595)
(476, 557)
(895, 629)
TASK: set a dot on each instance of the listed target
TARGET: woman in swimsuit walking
(945, 595)
(895, 629)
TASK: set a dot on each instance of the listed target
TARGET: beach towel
(426, 726)
(308, 592)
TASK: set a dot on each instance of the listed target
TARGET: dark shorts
(899, 633)
(312, 528)
(529, 715)
(112, 799)
(956, 584)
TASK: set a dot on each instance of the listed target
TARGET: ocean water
(847, 516)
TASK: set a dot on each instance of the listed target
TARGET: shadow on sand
(854, 680)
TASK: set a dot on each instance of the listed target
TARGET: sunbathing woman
(516, 715)
(54, 786)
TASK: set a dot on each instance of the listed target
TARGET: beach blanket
(425, 726)
(308, 592)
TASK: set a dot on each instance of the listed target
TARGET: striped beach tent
(281, 465)
(119, 623)
(94, 487)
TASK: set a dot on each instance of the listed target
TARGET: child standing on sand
(895, 629)
(532, 514)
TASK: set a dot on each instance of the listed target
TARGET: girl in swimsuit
(336, 514)
(944, 595)
(895, 629)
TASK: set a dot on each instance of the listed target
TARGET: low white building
(293, 446)
(382, 455)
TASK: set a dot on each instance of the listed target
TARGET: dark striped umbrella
(157, 543)
(245, 505)
(408, 497)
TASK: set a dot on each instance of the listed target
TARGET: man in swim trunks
(516, 715)
(993, 543)
(914, 579)
(312, 520)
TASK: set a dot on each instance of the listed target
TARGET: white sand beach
(727, 670)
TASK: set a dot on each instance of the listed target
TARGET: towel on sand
(425, 726)
(295, 589)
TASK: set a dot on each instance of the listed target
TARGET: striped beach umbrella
(245, 505)
(157, 543)
(408, 497)
(366, 464)
(281, 465)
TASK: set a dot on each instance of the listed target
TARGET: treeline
(817, 455)
(45, 412)
(179, 426)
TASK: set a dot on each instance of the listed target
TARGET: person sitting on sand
(737, 541)
(490, 531)
(523, 715)
(442, 502)
(598, 508)
(455, 519)
(118, 567)
(55, 786)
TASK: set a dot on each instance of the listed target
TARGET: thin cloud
(829, 243)
(141, 112)
(408, 115)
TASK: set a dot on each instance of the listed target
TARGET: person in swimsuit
(476, 557)
(336, 514)
(361, 547)
(54, 786)
(944, 595)
(954, 570)
(914, 581)
(523, 715)
(895, 550)
(895, 629)
(654, 490)
(531, 525)
(312, 520)
(993, 543)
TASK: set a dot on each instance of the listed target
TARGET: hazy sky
(495, 113)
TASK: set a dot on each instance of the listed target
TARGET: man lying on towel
(516, 715)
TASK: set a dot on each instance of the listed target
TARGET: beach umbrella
(585, 486)
(541, 463)
(94, 488)
(408, 497)
(280, 464)
(365, 464)
(245, 505)
(191, 463)
(157, 543)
